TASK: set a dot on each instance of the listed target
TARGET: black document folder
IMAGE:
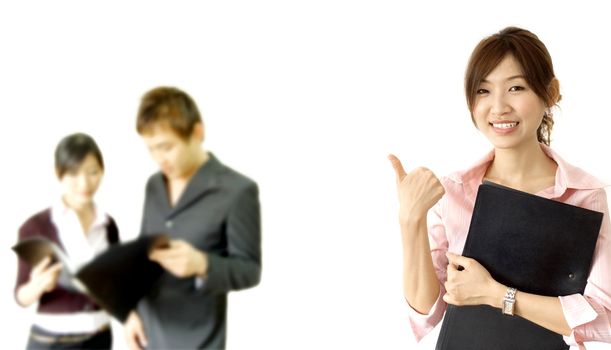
(531, 243)
(116, 279)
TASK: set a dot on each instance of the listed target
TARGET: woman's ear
(554, 92)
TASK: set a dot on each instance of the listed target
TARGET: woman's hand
(418, 190)
(43, 278)
(471, 285)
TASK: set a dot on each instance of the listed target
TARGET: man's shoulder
(232, 178)
(154, 178)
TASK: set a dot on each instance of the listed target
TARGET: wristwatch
(509, 301)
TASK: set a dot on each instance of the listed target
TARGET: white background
(307, 98)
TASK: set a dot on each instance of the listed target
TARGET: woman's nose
(500, 105)
(83, 182)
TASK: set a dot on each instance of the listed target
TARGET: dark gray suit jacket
(219, 214)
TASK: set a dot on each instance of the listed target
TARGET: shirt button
(571, 275)
(168, 224)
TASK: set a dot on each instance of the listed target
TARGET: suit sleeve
(240, 266)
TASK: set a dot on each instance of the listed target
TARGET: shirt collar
(567, 175)
(60, 211)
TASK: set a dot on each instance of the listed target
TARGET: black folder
(116, 279)
(531, 243)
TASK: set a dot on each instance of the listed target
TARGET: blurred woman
(66, 318)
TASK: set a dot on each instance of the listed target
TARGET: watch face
(507, 307)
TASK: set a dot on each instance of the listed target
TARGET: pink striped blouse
(588, 315)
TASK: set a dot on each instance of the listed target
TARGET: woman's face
(80, 185)
(507, 111)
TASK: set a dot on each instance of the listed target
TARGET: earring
(548, 113)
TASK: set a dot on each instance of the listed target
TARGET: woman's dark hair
(72, 150)
(534, 59)
(171, 106)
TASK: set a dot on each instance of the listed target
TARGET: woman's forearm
(420, 283)
(542, 310)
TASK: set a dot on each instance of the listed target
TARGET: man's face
(173, 154)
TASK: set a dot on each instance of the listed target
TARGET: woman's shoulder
(470, 175)
(580, 179)
(573, 176)
(36, 224)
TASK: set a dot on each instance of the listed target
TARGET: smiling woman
(504, 92)
(510, 88)
(530, 65)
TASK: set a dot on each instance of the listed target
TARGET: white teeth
(504, 125)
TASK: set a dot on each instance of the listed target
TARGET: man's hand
(181, 259)
(134, 332)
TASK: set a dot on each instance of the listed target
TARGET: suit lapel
(205, 180)
(159, 193)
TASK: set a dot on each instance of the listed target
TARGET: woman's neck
(527, 168)
(84, 211)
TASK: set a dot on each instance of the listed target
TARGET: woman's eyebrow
(513, 77)
(516, 77)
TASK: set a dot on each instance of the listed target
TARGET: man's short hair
(170, 106)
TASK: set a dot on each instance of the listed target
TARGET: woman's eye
(481, 91)
(516, 88)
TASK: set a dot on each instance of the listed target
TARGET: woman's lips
(504, 127)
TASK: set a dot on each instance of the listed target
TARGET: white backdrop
(307, 98)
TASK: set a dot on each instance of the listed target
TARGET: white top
(80, 248)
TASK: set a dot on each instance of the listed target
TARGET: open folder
(531, 243)
(116, 279)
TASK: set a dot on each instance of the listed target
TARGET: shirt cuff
(422, 324)
(577, 311)
(200, 282)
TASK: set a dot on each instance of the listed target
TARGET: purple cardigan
(59, 300)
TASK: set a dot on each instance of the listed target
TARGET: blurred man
(211, 213)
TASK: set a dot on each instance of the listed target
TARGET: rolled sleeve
(422, 324)
(589, 315)
(578, 312)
